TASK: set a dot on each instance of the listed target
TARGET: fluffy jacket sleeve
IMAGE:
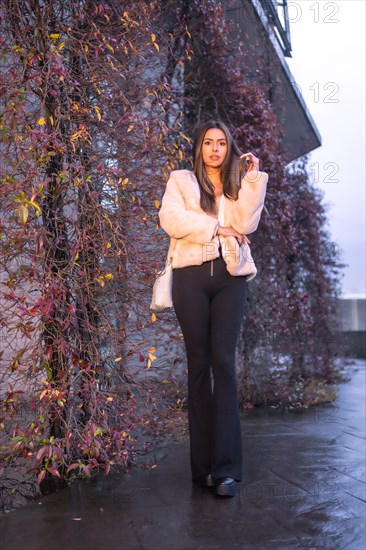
(248, 208)
(181, 223)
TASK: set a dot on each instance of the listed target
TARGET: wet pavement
(304, 487)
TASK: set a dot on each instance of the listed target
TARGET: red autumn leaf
(41, 476)
(52, 470)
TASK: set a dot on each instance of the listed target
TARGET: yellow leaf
(108, 245)
(51, 120)
(23, 213)
(36, 206)
(97, 110)
(153, 317)
(117, 359)
(41, 121)
(152, 349)
(130, 128)
(108, 276)
(109, 47)
(157, 204)
(76, 135)
(148, 363)
(156, 46)
(152, 357)
(109, 399)
(61, 46)
(55, 35)
(86, 48)
(153, 37)
(18, 49)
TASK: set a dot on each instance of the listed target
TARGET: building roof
(300, 133)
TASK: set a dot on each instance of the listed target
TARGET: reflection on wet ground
(304, 487)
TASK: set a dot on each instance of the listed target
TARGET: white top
(220, 216)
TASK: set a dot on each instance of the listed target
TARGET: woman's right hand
(231, 232)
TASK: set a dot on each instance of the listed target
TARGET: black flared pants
(210, 305)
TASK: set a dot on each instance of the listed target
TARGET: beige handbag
(162, 289)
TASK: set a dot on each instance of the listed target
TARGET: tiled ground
(304, 487)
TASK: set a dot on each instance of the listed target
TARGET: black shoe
(204, 481)
(225, 487)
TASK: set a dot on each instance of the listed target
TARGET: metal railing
(277, 13)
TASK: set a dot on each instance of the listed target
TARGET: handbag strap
(169, 259)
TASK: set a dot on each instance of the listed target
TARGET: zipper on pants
(211, 268)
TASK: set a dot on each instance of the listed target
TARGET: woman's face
(214, 148)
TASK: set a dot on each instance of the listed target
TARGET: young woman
(207, 213)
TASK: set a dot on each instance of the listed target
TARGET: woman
(208, 213)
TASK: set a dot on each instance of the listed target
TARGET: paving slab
(304, 487)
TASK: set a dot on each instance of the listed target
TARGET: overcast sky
(328, 48)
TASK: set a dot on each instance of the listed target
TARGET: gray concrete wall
(352, 315)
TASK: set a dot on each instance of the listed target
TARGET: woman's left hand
(246, 239)
(251, 160)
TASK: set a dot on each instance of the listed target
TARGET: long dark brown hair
(232, 169)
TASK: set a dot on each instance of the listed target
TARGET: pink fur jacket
(193, 231)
